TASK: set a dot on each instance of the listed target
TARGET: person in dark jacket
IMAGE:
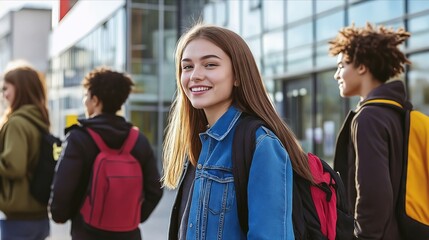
(106, 92)
(25, 95)
(369, 147)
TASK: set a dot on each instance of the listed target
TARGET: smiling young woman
(218, 82)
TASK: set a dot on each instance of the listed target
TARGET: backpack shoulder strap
(131, 140)
(98, 140)
(383, 102)
(243, 147)
(127, 146)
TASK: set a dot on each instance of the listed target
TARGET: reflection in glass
(329, 115)
(375, 11)
(148, 67)
(299, 59)
(273, 64)
(418, 82)
(252, 19)
(417, 5)
(144, 21)
(298, 107)
(145, 121)
(273, 42)
(326, 5)
(419, 29)
(297, 10)
(299, 35)
(255, 46)
(273, 14)
(233, 17)
(327, 26)
(323, 58)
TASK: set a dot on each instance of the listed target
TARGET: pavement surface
(155, 228)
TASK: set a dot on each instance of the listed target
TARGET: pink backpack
(115, 193)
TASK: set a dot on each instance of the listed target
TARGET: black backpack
(304, 214)
(42, 176)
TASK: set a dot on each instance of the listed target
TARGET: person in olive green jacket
(25, 95)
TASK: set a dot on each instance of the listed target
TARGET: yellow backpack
(413, 209)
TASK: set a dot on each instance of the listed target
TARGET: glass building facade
(138, 38)
(289, 40)
(153, 35)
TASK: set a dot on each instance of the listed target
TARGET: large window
(273, 14)
(255, 46)
(327, 28)
(375, 11)
(326, 5)
(329, 115)
(144, 66)
(216, 13)
(252, 18)
(104, 46)
(297, 10)
(148, 39)
(299, 50)
(417, 5)
(298, 106)
(418, 81)
(419, 29)
(273, 53)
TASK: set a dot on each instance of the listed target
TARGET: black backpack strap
(243, 147)
(345, 219)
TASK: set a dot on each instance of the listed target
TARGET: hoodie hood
(394, 90)
(112, 128)
(32, 113)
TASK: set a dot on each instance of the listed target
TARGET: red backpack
(115, 194)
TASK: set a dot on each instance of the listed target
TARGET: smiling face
(348, 77)
(207, 77)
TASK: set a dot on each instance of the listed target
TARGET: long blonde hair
(185, 122)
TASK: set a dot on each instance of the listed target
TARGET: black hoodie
(368, 157)
(73, 174)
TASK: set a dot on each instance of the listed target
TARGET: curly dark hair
(112, 88)
(374, 47)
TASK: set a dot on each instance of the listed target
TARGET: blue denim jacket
(213, 211)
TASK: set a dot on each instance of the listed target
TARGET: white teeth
(199, 89)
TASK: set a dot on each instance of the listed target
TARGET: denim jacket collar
(224, 124)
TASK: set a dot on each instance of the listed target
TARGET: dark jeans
(24, 229)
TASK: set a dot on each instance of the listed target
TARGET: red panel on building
(65, 6)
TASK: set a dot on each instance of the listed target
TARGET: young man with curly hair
(370, 144)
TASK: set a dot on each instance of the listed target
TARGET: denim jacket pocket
(221, 191)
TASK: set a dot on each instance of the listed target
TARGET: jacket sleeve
(151, 180)
(374, 201)
(67, 190)
(270, 191)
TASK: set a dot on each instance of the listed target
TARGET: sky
(7, 5)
